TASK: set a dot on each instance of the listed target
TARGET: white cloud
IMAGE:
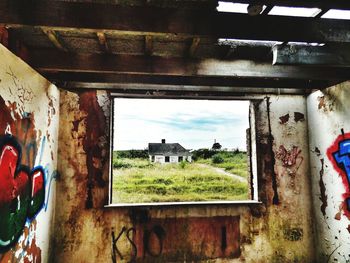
(192, 123)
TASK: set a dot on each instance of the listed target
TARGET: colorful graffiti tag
(22, 191)
(339, 155)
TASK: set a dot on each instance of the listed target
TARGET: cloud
(209, 123)
(193, 123)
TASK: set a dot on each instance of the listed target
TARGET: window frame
(252, 161)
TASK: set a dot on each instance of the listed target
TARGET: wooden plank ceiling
(178, 47)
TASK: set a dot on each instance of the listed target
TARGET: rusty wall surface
(329, 132)
(278, 230)
(29, 111)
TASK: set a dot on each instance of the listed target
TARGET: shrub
(217, 158)
(182, 165)
(117, 164)
(203, 154)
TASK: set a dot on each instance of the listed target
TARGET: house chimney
(163, 140)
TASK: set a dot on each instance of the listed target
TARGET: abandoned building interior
(63, 62)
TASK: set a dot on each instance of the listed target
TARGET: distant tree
(216, 146)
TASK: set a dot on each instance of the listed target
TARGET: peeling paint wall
(29, 112)
(329, 136)
(278, 230)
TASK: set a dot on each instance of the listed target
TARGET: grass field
(137, 180)
(235, 163)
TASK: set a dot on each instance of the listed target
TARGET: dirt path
(222, 171)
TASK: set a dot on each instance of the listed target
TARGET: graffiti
(288, 158)
(163, 240)
(339, 155)
(298, 116)
(116, 252)
(284, 119)
(22, 191)
(157, 233)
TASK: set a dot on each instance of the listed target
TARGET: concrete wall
(278, 230)
(83, 230)
(29, 111)
(329, 131)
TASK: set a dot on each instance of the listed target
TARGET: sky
(192, 123)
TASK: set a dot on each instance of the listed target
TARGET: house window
(175, 151)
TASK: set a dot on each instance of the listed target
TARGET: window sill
(167, 204)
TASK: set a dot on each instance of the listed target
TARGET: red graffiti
(22, 192)
(11, 186)
(288, 158)
(340, 159)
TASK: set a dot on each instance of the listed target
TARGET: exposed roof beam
(3, 36)
(102, 40)
(101, 78)
(154, 21)
(323, 11)
(267, 10)
(194, 46)
(53, 37)
(167, 91)
(51, 61)
(330, 4)
(311, 55)
(148, 45)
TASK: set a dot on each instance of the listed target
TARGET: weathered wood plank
(51, 61)
(152, 20)
(107, 79)
(4, 36)
(194, 46)
(102, 40)
(153, 90)
(53, 37)
(148, 45)
(311, 55)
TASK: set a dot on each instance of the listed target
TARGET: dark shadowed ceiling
(179, 47)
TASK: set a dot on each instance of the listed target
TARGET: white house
(168, 153)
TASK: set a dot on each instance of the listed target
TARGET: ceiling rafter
(54, 39)
(102, 40)
(49, 61)
(162, 21)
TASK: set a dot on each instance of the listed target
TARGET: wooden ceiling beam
(54, 39)
(148, 20)
(104, 80)
(176, 91)
(4, 36)
(148, 45)
(330, 56)
(102, 40)
(51, 61)
(194, 46)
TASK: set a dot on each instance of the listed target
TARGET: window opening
(180, 150)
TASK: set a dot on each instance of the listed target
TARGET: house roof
(167, 149)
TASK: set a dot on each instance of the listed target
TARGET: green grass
(235, 163)
(137, 181)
